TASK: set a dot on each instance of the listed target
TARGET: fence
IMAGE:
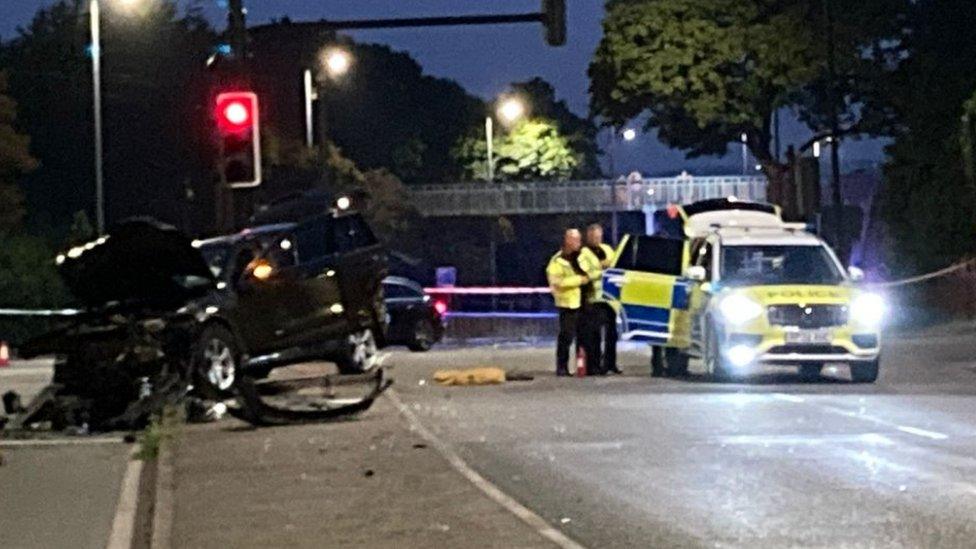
(544, 197)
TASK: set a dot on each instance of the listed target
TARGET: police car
(732, 284)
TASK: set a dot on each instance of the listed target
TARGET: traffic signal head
(554, 21)
(239, 134)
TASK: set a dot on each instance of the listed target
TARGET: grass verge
(161, 430)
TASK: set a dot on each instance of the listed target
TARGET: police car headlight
(868, 309)
(738, 309)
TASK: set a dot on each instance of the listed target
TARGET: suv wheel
(676, 362)
(713, 356)
(215, 362)
(865, 372)
(360, 354)
(423, 337)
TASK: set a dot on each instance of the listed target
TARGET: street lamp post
(509, 111)
(628, 134)
(96, 52)
(335, 63)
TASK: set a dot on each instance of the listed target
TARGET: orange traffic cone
(580, 362)
(4, 354)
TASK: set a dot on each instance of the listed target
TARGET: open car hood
(140, 262)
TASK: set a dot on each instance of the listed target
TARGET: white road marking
(933, 435)
(789, 398)
(33, 372)
(123, 524)
(80, 441)
(922, 432)
(496, 494)
(382, 358)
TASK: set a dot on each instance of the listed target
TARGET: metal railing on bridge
(546, 197)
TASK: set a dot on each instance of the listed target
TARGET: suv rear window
(652, 254)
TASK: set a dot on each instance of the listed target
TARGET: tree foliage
(929, 198)
(15, 161)
(533, 149)
(706, 72)
(153, 88)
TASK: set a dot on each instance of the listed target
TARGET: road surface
(772, 462)
(56, 493)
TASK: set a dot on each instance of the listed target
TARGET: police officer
(567, 277)
(600, 324)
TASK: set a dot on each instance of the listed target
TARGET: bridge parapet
(545, 197)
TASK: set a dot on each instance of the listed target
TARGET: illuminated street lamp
(628, 135)
(95, 21)
(509, 110)
(336, 61)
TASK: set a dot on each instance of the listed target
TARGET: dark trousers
(590, 337)
(607, 337)
(568, 333)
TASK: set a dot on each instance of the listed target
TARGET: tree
(15, 161)
(707, 72)
(533, 150)
(580, 132)
(929, 199)
(153, 116)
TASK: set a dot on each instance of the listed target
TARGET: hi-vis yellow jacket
(566, 284)
(594, 269)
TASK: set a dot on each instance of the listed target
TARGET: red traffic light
(236, 111)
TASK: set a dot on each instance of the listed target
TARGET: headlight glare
(738, 309)
(867, 309)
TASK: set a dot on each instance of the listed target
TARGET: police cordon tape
(527, 290)
(40, 312)
(969, 263)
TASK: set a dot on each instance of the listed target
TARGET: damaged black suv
(154, 303)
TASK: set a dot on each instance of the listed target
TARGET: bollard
(4, 354)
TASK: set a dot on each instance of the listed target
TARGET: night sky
(483, 59)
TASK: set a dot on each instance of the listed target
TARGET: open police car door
(646, 288)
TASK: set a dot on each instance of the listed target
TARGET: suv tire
(423, 336)
(676, 362)
(360, 353)
(865, 372)
(714, 362)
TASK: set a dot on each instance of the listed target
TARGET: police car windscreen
(773, 265)
(652, 254)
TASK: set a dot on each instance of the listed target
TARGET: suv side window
(315, 240)
(652, 254)
(352, 232)
(398, 291)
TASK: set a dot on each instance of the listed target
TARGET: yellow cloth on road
(566, 284)
(470, 376)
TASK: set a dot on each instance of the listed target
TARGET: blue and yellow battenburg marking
(646, 303)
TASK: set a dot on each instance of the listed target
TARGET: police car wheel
(713, 358)
(810, 371)
(657, 362)
(865, 372)
(675, 362)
